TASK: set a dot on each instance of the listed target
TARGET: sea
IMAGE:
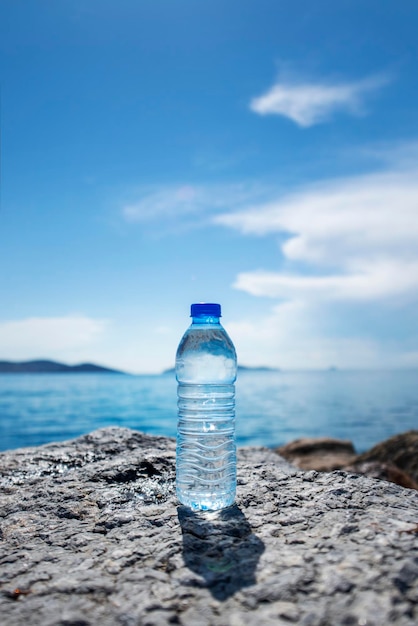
(272, 407)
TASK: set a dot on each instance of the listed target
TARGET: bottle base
(206, 502)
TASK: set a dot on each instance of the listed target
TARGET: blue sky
(258, 154)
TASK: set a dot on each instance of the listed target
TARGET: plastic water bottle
(206, 369)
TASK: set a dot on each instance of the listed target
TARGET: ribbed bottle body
(206, 450)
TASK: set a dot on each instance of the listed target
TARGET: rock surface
(400, 450)
(382, 471)
(322, 454)
(91, 534)
(395, 459)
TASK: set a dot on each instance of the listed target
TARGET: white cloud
(163, 202)
(311, 103)
(357, 238)
(51, 337)
(292, 335)
(385, 279)
(187, 204)
(348, 286)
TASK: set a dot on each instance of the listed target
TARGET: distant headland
(52, 367)
(44, 366)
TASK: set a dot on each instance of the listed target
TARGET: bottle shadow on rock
(221, 547)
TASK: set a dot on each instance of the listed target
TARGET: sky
(259, 154)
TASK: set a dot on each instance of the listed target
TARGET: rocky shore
(395, 459)
(91, 533)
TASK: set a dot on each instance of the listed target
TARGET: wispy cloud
(188, 204)
(294, 335)
(383, 279)
(349, 255)
(310, 103)
(163, 202)
(355, 238)
(53, 337)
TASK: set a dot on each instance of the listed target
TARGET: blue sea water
(272, 408)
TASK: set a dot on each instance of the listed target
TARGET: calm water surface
(272, 407)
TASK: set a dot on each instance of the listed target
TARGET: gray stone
(323, 454)
(91, 533)
(382, 471)
(400, 450)
(395, 459)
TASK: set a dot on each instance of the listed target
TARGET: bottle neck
(204, 319)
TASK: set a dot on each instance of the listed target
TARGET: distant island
(52, 367)
(241, 368)
(44, 366)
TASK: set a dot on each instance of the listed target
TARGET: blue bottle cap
(205, 308)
